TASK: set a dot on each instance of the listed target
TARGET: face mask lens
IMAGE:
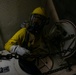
(36, 24)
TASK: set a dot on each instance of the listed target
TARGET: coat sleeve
(17, 39)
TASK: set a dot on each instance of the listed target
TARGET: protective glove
(19, 50)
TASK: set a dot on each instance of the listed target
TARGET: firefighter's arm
(14, 44)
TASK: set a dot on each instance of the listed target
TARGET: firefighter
(23, 40)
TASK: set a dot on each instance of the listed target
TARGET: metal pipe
(53, 11)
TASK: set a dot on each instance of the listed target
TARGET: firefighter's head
(38, 20)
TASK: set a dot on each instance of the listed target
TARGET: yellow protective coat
(18, 39)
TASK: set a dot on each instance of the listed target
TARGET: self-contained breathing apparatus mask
(37, 23)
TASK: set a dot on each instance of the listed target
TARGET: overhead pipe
(53, 11)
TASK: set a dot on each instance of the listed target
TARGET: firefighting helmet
(39, 10)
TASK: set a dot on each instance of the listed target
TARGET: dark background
(66, 9)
